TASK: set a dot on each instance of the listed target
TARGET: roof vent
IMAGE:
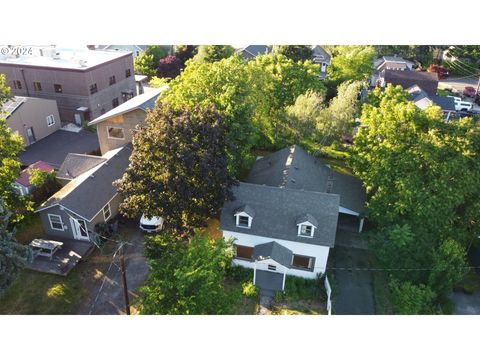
(292, 180)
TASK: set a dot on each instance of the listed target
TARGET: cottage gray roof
(247, 209)
(294, 168)
(277, 210)
(255, 50)
(144, 101)
(76, 164)
(275, 251)
(90, 192)
(307, 217)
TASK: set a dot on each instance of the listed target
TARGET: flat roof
(59, 57)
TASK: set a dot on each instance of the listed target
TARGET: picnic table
(45, 247)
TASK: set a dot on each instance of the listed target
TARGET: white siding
(320, 253)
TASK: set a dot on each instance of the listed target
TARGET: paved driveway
(354, 295)
(464, 304)
(109, 300)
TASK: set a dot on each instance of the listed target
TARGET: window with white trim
(306, 230)
(300, 261)
(56, 222)
(115, 132)
(50, 120)
(243, 252)
(107, 212)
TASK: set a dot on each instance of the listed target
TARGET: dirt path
(103, 284)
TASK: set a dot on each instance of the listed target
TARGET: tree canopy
(294, 52)
(420, 173)
(178, 168)
(186, 278)
(147, 62)
(10, 146)
(351, 62)
(169, 67)
(212, 53)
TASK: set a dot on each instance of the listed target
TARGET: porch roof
(275, 251)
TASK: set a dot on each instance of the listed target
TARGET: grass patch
(29, 229)
(38, 293)
(298, 308)
(443, 92)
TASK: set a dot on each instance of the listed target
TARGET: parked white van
(151, 225)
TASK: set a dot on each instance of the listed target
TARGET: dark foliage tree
(294, 52)
(169, 67)
(178, 167)
(185, 53)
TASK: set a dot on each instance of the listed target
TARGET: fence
(328, 290)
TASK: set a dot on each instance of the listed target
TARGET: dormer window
(306, 230)
(244, 216)
(306, 225)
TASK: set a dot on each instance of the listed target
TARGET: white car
(151, 225)
(462, 105)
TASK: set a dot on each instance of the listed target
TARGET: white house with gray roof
(284, 219)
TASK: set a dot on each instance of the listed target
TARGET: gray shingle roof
(246, 209)
(76, 164)
(307, 217)
(144, 101)
(89, 193)
(277, 209)
(427, 81)
(423, 100)
(294, 168)
(275, 251)
(257, 49)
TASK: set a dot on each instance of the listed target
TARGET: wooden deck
(65, 259)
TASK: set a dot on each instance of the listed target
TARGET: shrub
(249, 290)
(239, 273)
(410, 299)
(469, 289)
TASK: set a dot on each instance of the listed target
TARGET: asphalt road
(354, 295)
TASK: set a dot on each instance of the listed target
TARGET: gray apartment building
(85, 83)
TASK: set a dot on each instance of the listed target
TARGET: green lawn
(38, 293)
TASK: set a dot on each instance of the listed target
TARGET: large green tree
(10, 146)
(13, 256)
(147, 62)
(212, 53)
(420, 173)
(178, 168)
(186, 279)
(294, 52)
(351, 62)
(309, 118)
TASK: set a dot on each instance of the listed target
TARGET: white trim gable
(306, 223)
(243, 214)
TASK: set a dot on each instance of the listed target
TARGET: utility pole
(124, 279)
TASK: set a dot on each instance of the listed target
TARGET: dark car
(440, 70)
(469, 91)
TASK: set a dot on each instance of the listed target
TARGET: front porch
(65, 259)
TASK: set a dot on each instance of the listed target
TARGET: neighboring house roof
(255, 50)
(144, 101)
(12, 105)
(24, 178)
(276, 212)
(54, 148)
(422, 100)
(87, 194)
(294, 168)
(320, 55)
(425, 80)
(76, 164)
(394, 60)
(275, 251)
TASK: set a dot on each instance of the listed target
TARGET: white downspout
(360, 228)
(284, 276)
(254, 271)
